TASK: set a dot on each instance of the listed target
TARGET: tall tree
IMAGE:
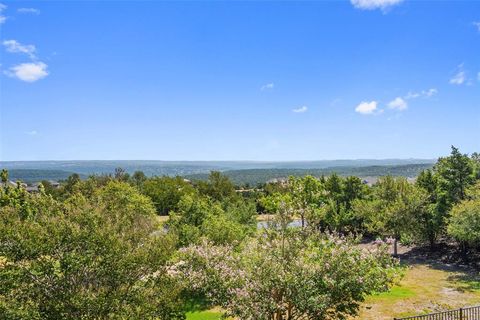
(455, 175)
(218, 186)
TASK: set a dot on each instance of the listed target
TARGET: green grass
(423, 289)
(396, 292)
(204, 315)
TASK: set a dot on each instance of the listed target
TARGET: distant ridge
(241, 172)
(36, 175)
(256, 176)
(154, 167)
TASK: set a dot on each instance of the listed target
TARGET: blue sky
(239, 80)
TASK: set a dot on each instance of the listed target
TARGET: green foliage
(464, 225)
(97, 258)
(255, 177)
(285, 275)
(166, 192)
(454, 175)
(200, 216)
(394, 209)
(218, 187)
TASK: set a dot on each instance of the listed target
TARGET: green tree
(100, 258)
(4, 176)
(166, 192)
(71, 183)
(218, 186)
(454, 175)
(430, 221)
(393, 209)
(138, 178)
(306, 195)
(199, 216)
(464, 222)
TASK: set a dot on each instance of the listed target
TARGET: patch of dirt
(438, 280)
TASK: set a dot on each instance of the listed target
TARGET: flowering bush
(286, 275)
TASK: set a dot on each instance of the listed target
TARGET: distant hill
(182, 168)
(35, 175)
(256, 176)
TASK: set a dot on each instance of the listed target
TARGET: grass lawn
(424, 289)
(204, 315)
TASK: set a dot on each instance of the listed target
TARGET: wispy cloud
(16, 47)
(2, 17)
(335, 102)
(302, 109)
(424, 93)
(398, 104)
(28, 10)
(383, 5)
(28, 72)
(268, 86)
(366, 107)
(477, 25)
(460, 76)
(31, 133)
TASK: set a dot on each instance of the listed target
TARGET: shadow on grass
(196, 303)
(447, 257)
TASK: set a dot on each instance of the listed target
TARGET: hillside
(35, 175)
(256, 176)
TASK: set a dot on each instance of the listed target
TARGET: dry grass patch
(424, 289)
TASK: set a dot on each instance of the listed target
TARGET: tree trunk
(432, 243)
(395, 247)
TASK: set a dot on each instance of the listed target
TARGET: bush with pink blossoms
(287, 275)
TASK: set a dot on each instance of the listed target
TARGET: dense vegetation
(95, 249)
(35, 175)
(254, 177)
(241, 173)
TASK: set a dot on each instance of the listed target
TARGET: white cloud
(32, 133)
(413, 95)
(16, 47)
(367, 107)
(430, 92)
(301, 109)
(424, 93)
(268, 86)
(28, 10)
(477, 24)
(375, 4)
(398, 104)
(460, 76)
(2, 17)
(28, 72)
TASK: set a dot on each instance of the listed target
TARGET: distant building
(278, 180)
(34, 188)
(369, 181)
(9, 183)
(54, 184)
